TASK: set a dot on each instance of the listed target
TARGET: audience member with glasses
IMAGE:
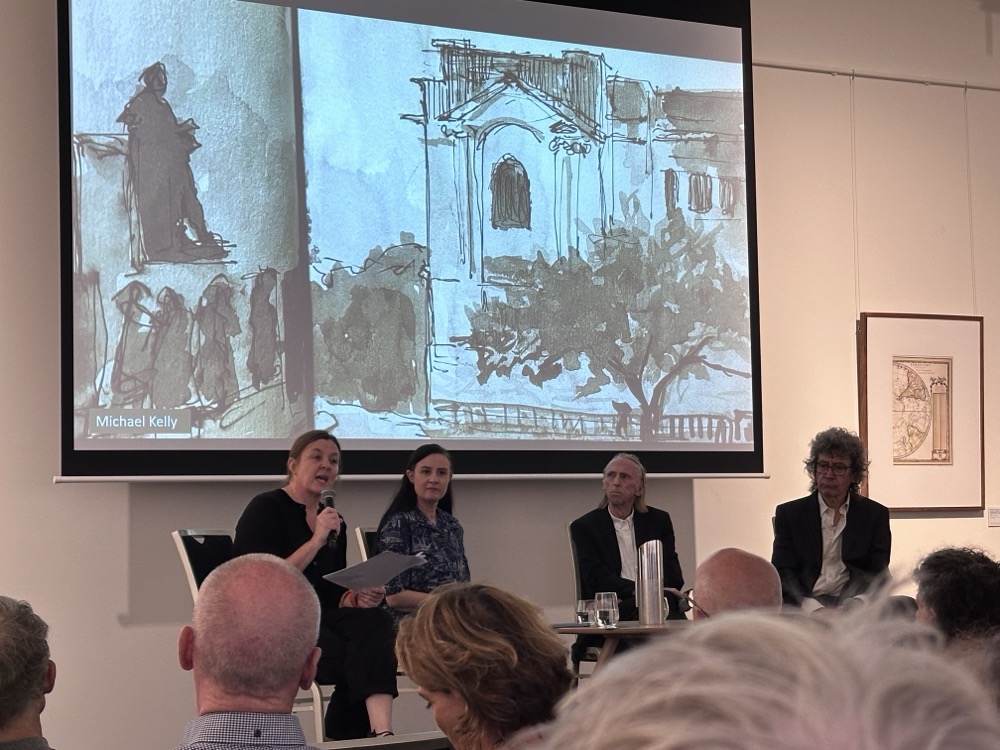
(832, 545)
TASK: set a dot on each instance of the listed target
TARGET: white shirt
(625, 532)
(833, 576)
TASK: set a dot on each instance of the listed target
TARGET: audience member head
(732, 579)
(252, 644)
(486, 662)
(841, 445)
(302, 442)
(753, 681)
(405, 498)
(959, 590)
(624, 475)
(26, 672)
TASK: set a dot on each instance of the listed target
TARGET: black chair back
(202, 552)
(207, 553)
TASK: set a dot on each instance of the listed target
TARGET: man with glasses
(834, 544)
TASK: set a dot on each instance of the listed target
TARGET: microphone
(326, 500)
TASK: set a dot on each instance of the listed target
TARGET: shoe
(387, 733)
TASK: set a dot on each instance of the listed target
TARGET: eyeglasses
(821, 467)
(686, 602)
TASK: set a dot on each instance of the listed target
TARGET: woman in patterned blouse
(419, 521)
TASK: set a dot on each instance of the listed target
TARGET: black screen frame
(122, 464)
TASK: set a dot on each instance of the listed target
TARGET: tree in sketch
(651, 307)
(262, 360)
(215, 368)
(172, 359)
(159, 163)
(132, 370)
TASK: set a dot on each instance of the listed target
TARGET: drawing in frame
(920, 395)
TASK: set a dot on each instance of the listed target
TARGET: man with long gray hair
(251, 647)
(27, 675)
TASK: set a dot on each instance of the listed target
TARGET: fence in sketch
(462, 419)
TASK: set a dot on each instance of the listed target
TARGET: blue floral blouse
(441, 544)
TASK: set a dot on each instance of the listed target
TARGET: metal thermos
(649, 584)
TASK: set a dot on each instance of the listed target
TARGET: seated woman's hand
(371, 597)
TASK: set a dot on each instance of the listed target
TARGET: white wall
(96, 560)
(903, 218)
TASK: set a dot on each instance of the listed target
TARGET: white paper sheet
(375, 571)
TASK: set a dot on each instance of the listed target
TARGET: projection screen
(522, 229)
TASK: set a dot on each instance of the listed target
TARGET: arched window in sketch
(671, 189)
(700, 192)
(728, 192)
(511, 191)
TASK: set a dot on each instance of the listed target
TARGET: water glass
(607, 609)
(584, 611)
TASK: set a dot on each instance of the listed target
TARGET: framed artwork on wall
(920, 395)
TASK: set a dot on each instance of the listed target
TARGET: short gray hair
(753, 681)
(24, 657)
(256, 623)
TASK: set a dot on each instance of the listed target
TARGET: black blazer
(798, 546)
(600, 562)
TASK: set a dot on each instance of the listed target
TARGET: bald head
(732, 579)
(256, 624)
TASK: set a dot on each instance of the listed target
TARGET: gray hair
(753, 681)
(24, 657)
(847, 444)
(640, 500)
(256, 623)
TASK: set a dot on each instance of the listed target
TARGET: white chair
(201, 552)
(367, 538)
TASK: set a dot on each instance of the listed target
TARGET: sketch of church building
(563, 136)
(537, 156)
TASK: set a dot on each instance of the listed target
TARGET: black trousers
(359, 659)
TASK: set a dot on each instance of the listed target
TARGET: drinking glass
(584, 611)
(607, 609)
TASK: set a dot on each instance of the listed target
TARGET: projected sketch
(403, 231)
(159, 167)
(181, 331)
(572, 237)
(132, 371)
(263, 361)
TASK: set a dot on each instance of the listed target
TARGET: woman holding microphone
(356, 634)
